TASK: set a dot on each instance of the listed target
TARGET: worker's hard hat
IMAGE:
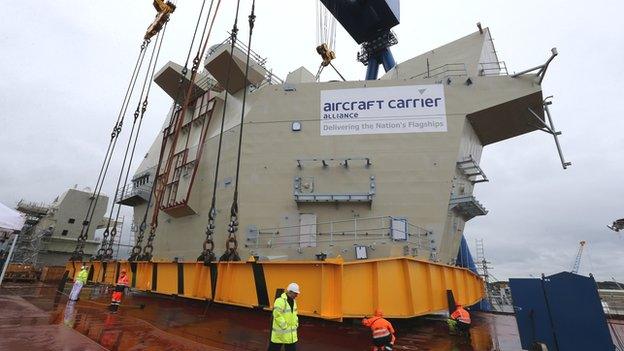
(83, 267)
(294, 287)
(378, 312)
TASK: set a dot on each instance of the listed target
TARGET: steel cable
(207, 255)
(230, 253)
(148, 249)
(79, 250)
(137, 248)
(147, 84)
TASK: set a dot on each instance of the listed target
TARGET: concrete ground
(35, 317)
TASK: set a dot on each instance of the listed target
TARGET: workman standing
(285, 320)
(462, 318)
(122, 284)
(79, 282)
(383, 332)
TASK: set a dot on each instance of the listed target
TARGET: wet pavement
(36, 318)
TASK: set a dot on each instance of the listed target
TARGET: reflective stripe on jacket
(82, 276)
(285, 321)
(461, 315)
(380, 327)
(123, 280)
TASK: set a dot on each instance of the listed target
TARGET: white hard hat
(294, 287)
(83, 267)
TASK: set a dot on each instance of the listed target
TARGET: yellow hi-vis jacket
(285, 321)
(82, 276)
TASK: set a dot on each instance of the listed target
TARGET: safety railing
(269, 77)
(444, 71)
(493, 68)
(241, 46)
(141, 186)
(130, 190)
(340, 232)
(206, 83)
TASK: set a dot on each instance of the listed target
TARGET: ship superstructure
(386, 167)
(51, 230)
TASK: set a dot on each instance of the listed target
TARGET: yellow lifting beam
(403, 287)
(164, 9)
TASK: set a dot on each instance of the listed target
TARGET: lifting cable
(137, 248)
(207, 255)
(82, 238)
(139, 113)
(325, 38)
(149, 248)
(101, 253)
(231, 244)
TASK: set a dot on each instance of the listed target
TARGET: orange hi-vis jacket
(380, 327)
(461, 315)
(122, 281)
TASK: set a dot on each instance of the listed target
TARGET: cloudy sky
(64, 65)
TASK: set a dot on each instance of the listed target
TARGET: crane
(577, 260)
(164, 9)
(369, 23)
(325, 38)
(617, 225)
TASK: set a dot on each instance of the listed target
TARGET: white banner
(384, 110)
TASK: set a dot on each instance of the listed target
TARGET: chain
(107, 245)
(82, 238)
(108, 253)
(102, 249)
(136, 249)
(207, 254)
(149, 247)
(231, 244)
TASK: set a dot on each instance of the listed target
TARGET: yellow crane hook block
(326, 54)
(164, 8)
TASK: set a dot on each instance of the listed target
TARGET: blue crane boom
(369, 23)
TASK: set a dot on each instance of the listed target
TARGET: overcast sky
(64, 66)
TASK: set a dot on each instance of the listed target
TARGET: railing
(468, 206)
(444, 71)
(355, 230)
(206, 82)
(470, 168)
(241, 46)
(269, 77)
(493, 68)
(33, 207)
(131, 190)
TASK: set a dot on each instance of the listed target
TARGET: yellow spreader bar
(403, 287)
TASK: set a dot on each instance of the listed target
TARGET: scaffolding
(494, 294)
(31, 240)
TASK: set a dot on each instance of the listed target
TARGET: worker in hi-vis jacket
(285, 320)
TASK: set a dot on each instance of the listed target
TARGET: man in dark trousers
(382, 331)
(285, 320)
